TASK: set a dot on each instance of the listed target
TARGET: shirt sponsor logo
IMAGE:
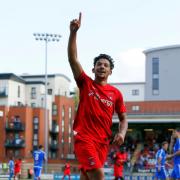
(97, 97)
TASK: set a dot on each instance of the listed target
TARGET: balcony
(15, 126)
(15, 143)
(54, 146)
(55, 129)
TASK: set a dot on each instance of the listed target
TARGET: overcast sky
(120, 28)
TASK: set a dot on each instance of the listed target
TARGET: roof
(43, 76)
(161, 48)
(147, 120)
(11, 76)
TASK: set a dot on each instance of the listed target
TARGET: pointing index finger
(80, 14)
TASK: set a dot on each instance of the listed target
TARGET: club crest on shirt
(110, 95)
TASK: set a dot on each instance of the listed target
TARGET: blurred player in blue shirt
(161, 172)
(11, 168)
(39, 157)
(175, 143)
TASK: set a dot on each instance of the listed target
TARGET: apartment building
(22, 116)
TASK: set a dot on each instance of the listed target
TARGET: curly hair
(105, 56)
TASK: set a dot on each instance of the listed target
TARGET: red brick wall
(39, 112)
(3, 132)
(63, 101)
(154, 107)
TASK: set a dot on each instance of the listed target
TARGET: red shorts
(118, 171)
(67, 172)
(90, 154)
(17, 171)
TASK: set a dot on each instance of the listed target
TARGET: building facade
(162, 73)
(153, 108)
(22, 116)
(153, 105)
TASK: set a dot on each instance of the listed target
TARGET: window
(35, 143)
(135, 108)
(33, 93)
(19, 91)
(62, 129)
(54, 123)
(155, 65)
(36, 120)
(70, 112)
(35, 136)
(69, 139)
(155, 76)
(135, 92)
(17, 119)
(16, 136)
(16, 153)
(63, 111)
(63, 122)
(33, 104)
(3, 91)
(70, 129)
(65, 93)
(50, 91)
(155, 84)
(36, 127)
(1, 113)
(54, 109)
(53, 155)
(42, 102)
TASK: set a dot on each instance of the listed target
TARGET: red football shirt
(96, 108)
(67, 170)
(17, 166)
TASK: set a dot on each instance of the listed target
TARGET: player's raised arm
(72, 47)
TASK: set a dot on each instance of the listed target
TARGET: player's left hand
(118, 139)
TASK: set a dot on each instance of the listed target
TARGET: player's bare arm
(173, 155)
(171, 143)
(123, 125)
(72, 48)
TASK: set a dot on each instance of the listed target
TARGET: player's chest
(97, 96)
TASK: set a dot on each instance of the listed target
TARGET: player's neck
(101, 82)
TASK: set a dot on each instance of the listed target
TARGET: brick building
(22, 116)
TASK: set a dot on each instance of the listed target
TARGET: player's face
(102, 69)
(166, 146)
